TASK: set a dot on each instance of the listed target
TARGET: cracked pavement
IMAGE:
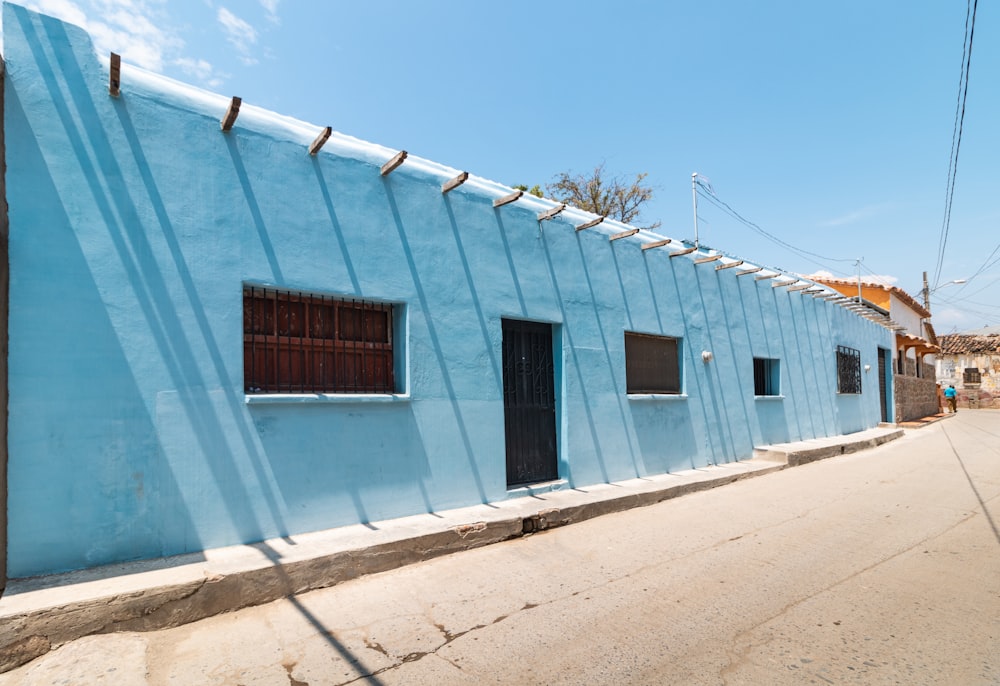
(878, 567)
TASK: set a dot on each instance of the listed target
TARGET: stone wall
(915, 398)
(978, 398)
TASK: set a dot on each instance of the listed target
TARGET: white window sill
(657, 396)
(769, 397)
(324, 398)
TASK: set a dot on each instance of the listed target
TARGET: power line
(725, 207)
(956, 133)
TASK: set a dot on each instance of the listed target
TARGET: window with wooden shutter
(300, 343)
(652, 364)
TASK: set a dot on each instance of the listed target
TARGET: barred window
(971, 375)
(766, 376)
(848, 370)
(652, 364)
(301, 343)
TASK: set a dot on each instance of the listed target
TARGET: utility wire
(725, 207)
(956, 134)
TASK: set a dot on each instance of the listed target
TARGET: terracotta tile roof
(895, 290)
(963, 344)
(931, 334)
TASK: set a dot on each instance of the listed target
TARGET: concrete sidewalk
(39, 614)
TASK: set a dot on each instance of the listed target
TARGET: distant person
(952, 397)
(940, 398)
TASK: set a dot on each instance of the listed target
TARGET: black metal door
(882, 394)
(529, 402)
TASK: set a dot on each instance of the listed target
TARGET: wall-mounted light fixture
(706, 356)
(868, 368)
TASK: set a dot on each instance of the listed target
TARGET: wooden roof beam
(321, 139)
(452, 184)
(394, 163)
(728, 265)
(710, 258)
(686, 251)
(765, 277)
(231, 114)
(549, 214)
(657, 244)
(623, 234)
(591, 223)
(115, 75)
(751, 270)
(782, 284)
(507, 199)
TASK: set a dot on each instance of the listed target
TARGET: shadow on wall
(324, 489)
(136, 506)
(152, 286)
(667, 442)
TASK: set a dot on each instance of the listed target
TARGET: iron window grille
(300, 343)
(652, 364)
(766, 376)
(971, 375)
(848, 370)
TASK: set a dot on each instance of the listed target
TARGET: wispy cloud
(857, 215)
(240, 34)
(132, 28)
(271, 7)
(881, 279)
(201, 70)
(138, 30)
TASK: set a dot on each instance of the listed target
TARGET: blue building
(224, 326)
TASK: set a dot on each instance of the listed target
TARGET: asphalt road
(881, 567)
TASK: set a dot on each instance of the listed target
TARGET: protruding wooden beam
(729, 265)
(710, 258)
(549, 214)
(452, 184)
(801, 287)
(623, 234)
(321, 139)
(396, 160)
(231, 113)
(507, 199)
(657, 244)
(686, 251)
(752, 270)
(782, 284)
(592, 222)
(765, 277)
(115, 77)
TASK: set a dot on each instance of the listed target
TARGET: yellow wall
(873, 294)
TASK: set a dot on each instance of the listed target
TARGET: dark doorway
(529, 402)
(883, 394)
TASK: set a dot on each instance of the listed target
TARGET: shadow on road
(972, 484)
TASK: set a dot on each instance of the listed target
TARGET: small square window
(972, 375)
(652, 364)
(766, 376)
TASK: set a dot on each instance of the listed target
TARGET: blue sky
(827, 124)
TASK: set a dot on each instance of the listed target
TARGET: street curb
(925, 421)
(802, 453)
(37, 615)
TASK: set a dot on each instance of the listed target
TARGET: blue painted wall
(134, 224)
